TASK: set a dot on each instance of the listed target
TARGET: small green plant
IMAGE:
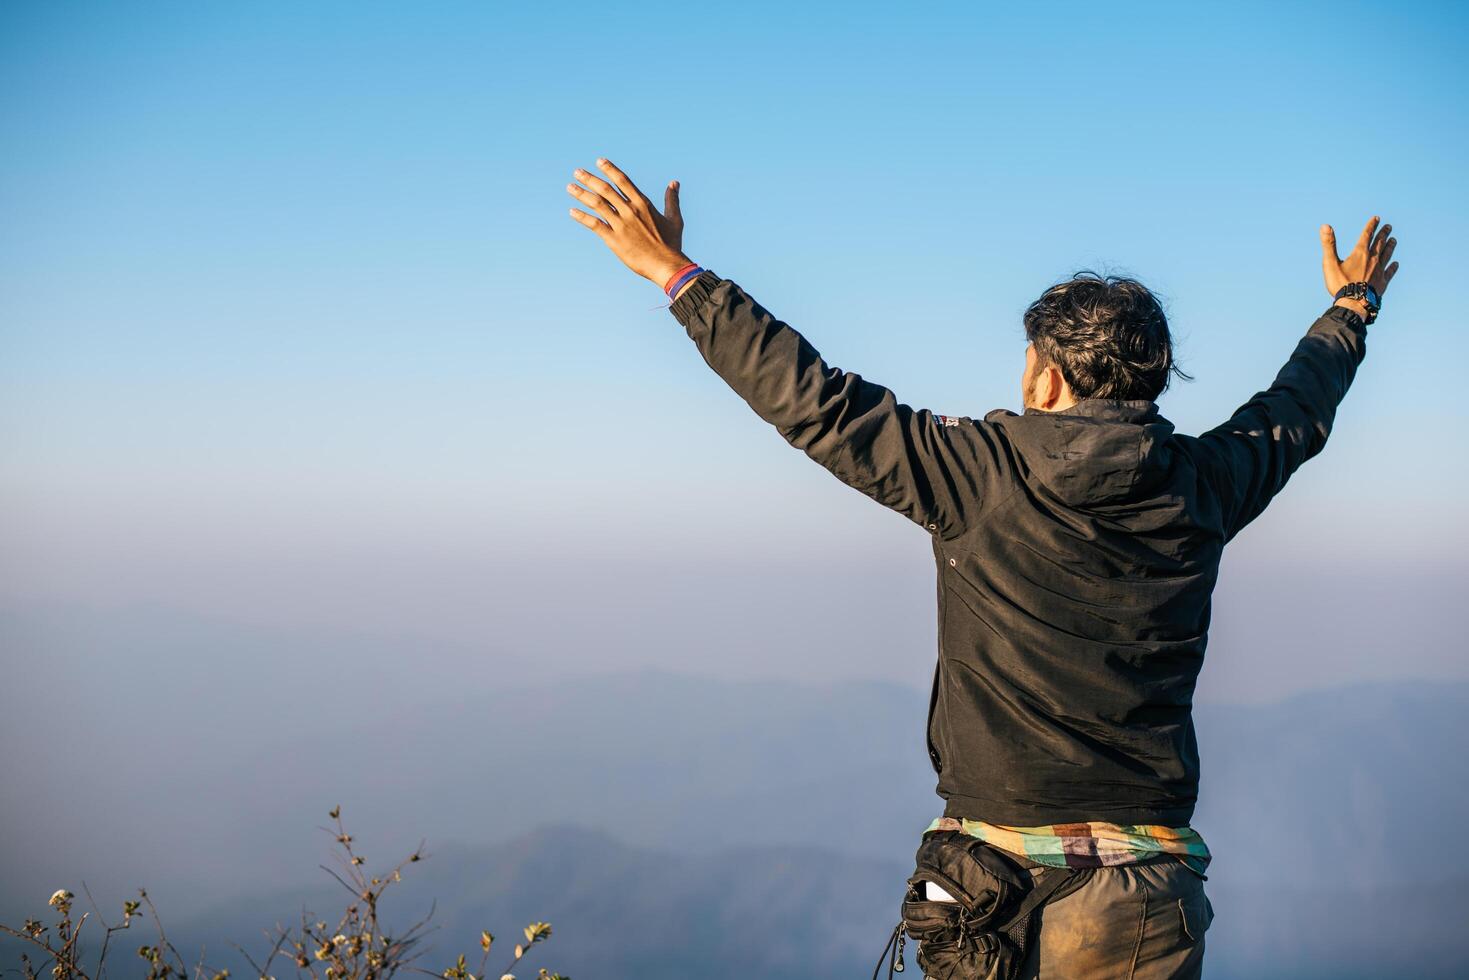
(355, 948)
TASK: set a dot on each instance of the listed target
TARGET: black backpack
(983, 935)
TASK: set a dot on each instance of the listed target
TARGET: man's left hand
(647, 242)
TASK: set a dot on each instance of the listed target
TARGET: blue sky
(298, 337)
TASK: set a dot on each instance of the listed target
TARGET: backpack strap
(1043, 893)
(1021, 927)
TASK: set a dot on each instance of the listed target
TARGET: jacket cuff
(688, 304)
(1340, 321)
(1343, 315)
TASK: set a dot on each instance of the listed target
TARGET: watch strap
(1364, 292)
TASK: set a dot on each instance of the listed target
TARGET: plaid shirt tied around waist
(1087, 845)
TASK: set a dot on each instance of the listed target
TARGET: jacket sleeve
(929, 468)
(1272, 434)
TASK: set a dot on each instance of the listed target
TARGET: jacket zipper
(933, 699)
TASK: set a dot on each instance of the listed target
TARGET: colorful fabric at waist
(1087, 845)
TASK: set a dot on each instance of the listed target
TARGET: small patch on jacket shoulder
(949, 420)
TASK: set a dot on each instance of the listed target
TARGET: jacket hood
(1100, 450)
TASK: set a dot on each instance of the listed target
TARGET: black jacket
(1076, 554)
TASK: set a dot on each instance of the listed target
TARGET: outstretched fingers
(1330, 260)
(1380, 240)
(622, 181)
(1383, 246)
(1366, 238)
(600, 227)
(1385, 249)
(597, 202)
(600, 186)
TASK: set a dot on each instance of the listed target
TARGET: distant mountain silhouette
(694, 909)
(669, 825)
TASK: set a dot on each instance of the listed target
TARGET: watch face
(1372, 297)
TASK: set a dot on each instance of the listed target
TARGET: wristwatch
(1363, 292)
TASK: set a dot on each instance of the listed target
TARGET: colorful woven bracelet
(676, 282)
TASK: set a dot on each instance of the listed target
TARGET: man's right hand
(1369, 262)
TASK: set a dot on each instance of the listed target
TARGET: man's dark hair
(1107, 335)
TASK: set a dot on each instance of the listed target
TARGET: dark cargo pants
(1134, 922)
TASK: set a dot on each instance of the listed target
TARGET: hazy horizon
(315, 405)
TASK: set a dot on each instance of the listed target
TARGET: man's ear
(1048, 386)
